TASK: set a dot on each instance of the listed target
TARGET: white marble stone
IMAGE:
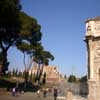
(93, 61)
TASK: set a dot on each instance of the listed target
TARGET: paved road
(25, 96)
(29, 96)
(33, 96)
(76, 97)
(63, 86)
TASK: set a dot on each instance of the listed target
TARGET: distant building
(52, 74)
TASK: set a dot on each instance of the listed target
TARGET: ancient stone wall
(93, 49)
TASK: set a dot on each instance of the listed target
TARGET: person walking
(14, 91)
(55, 93)
(44, 93)
(38, 93)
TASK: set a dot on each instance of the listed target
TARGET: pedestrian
(14, 91)
(55, 93)
(44, 93)
(38, 93)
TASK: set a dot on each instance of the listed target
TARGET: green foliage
(20, 30)
(9, 27)
(30, 29)
(30, 34)
(15, 72)
(1, 56)
(72, 78)
(26, 75)
(9, 22)
(6, 83)
(20, 74)
(83, 79)
(16, 28)
(42, 56)
(65, 76)
(9, 16)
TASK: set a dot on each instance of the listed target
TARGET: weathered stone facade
(93, 49)
(52, 74)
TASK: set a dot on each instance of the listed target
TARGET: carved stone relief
(97, 52)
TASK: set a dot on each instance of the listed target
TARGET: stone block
(69, 95)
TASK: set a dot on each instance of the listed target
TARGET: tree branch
(2, 46)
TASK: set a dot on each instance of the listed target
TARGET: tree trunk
(5, 63)
(42, 68)
(26, 71)
(30, 64)
(24, 60)
(40, 71)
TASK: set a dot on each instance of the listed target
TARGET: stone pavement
(26, 96)
(76, 97)
(34, 96)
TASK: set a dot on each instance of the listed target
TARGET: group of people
(45, 92)
(16, 91)
(54, 91)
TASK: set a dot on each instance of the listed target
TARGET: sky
(63, 27)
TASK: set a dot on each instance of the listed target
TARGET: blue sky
(63, 28)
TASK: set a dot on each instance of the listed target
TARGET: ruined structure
(93, 51)
(52, 74)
